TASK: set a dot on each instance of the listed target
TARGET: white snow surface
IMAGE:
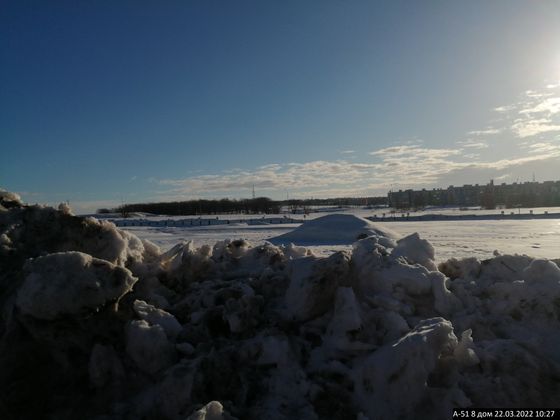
(450, 239)
(98, 324)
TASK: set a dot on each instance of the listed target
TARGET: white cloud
(537, 114)
(531, 127)
(505, 108)
(548, 106)
(316, 174)
(412, 165)
(544, 147)
(488, 131)
(536, 94)
(417, 151)
(472, 144)
(271, 166)
(347, 152)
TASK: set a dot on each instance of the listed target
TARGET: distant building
(527, 194)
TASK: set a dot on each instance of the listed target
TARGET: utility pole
(253, 191)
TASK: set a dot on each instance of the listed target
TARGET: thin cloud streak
(472, 144)
(486, 132)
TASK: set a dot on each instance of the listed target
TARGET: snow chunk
(412, 279)
(275, 350)
(105, 367)
(214, 410)
(346, 316)
(313, 284)
(71, 283)
(9, 199)
(184, 262)
(334, 229)
(404, 367)
(536, 291)
(65, 208)
(346, 324)
(464, 352)
(543, 272)
(155, 316)
(510, 374)
(465, 267)
(149, 347)
(293, 251)
(445, 302)
(416, 251)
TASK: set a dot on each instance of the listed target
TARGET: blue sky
(145, 101)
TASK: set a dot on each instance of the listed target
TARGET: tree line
(259, 205)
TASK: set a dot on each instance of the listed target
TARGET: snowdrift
(334, 229)
(97, 324)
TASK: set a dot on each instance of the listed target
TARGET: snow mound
(96, 324)
(335, 229)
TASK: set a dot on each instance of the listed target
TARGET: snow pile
(335, 229)
(97, 324)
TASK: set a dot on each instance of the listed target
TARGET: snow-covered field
(97, 323)
(467, 238)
